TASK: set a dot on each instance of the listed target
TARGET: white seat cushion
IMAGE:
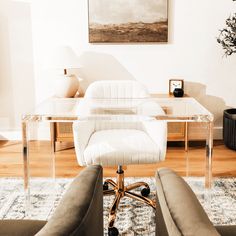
(120, 147)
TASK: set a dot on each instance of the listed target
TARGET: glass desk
(53, 110)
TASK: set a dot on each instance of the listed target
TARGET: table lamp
(64, 58)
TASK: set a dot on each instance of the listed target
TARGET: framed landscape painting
(128, 21)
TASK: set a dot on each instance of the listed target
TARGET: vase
(178, 92)
(66, 86)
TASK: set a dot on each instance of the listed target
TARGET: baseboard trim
(218, 133)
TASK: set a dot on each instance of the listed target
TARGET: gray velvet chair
(179, 212)
(80, 211)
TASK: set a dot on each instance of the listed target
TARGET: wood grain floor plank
(11, 164)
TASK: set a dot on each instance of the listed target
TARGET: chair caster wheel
(145, 192)
(105, 186)
(113, 231)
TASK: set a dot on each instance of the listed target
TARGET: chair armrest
(182, 212)
(157, 130)
(226, 230)
(20, 227)
(80, 211)
(150, 108)
(82, 130)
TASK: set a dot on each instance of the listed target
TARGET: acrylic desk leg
(186, 163)
(186, 136)
(186, 148)
(209, 150)
(25, 165)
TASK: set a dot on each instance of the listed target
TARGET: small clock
(175, 83)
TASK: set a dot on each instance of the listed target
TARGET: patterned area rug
(133, 218)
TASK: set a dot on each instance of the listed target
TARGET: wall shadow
(100, 66)
(22, 60)
(215, 105)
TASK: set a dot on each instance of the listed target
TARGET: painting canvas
(117, 21)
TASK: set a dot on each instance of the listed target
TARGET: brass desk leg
(53, 135)
(209, 152)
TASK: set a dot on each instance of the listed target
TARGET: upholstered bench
(179, 212)
(80, 211)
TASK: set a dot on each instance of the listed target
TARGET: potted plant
(227, 37)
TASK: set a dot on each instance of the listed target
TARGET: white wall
(16, 65)
(192, 53)
(6, 101)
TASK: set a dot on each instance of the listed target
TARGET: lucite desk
(68, 109)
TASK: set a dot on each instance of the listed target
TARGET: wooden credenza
(176, 132)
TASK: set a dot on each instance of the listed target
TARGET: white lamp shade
(63, 57)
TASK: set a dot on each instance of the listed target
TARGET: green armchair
(179, 212)
(80, 211)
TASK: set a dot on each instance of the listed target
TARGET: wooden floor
(224, 161)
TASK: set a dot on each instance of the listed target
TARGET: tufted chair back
(116, 89)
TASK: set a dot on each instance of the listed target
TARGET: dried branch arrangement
(227, 37)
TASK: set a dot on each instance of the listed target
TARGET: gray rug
(133, 217)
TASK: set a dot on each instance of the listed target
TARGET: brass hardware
(112, 214)
(136, 185)
(141, 199)
(111, 182)
(109, 192)
(119, 190)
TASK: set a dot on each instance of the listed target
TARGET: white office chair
(120, 141)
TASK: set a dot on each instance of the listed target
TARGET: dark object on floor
(229, 128)
(178, 92)
(113, 231)
(80, 211)
(178, 211)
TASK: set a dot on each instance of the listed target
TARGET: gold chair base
(119, 190)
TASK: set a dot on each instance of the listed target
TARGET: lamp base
(67, 86)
